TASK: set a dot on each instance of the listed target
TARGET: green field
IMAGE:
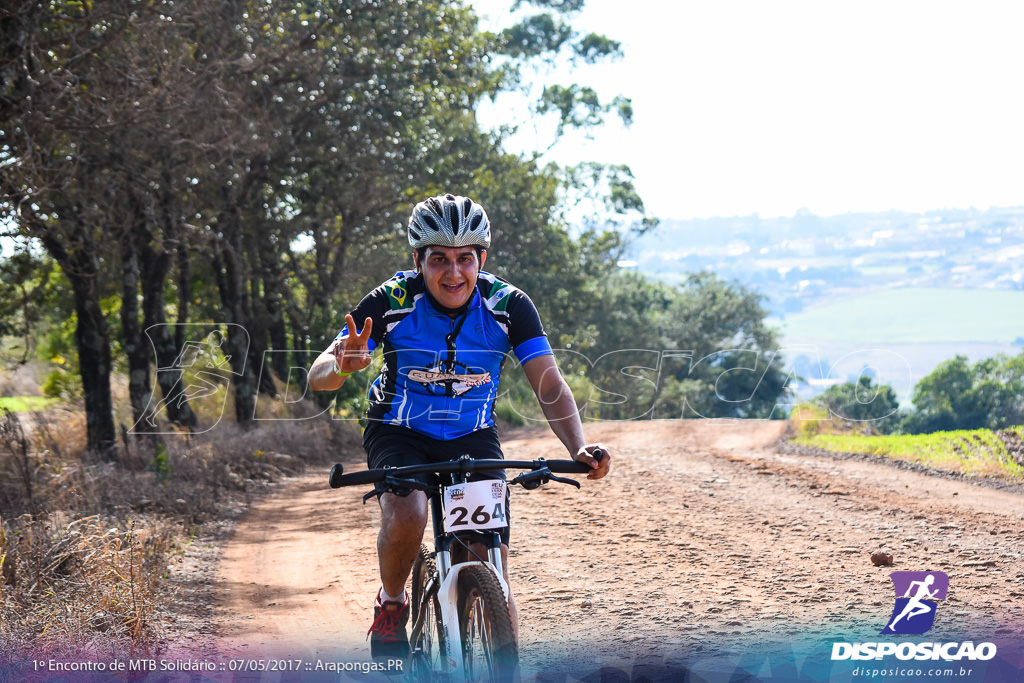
(913, 316)
(979, 452)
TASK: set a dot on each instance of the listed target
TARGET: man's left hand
(599, 465)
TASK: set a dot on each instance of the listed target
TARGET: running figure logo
(916, 596)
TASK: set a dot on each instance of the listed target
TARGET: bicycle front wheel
(428, 628)
(489, 648)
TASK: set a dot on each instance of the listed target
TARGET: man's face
(450, 273)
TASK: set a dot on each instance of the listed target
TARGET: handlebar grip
(567, 467)
(573, 466)
(339, 478)
(336, 473)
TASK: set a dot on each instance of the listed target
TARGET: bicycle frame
(447, 591)
(444, 584)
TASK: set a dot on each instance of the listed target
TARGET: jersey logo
(453, 383)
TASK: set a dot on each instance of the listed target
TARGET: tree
(697, 350)
(736, 369)
(94, 106)
(24, 287)
(256, 162)
(958, 395)
(872, 407)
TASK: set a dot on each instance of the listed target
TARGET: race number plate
(475, 505)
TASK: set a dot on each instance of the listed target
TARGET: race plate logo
(917, 594)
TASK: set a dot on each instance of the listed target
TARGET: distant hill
(802, 259)
(916, 288)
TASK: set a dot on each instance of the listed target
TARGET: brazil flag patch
(397, 293)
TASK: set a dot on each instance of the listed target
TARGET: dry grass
(84, 544)
(84, 585)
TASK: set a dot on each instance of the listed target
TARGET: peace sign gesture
(354, 352)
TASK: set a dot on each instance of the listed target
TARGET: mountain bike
(461, 627)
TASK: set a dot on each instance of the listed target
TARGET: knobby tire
(489, 648)
(430, 640)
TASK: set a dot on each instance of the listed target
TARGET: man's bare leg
(403, 519)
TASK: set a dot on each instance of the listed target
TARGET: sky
(770, 107)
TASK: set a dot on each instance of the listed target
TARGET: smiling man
(445, 330)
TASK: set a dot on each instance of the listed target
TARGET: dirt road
(704, 534)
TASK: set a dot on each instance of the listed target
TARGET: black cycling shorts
(388, 445)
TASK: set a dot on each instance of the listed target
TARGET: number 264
(479, 516)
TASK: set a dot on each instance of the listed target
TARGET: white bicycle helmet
(449, 221)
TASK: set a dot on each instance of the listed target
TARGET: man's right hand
(354, 353)
(346, 357)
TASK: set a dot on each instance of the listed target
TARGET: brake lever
(537, 478)
(532, 480)
(564, 480)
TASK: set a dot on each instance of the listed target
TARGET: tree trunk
(92, 336)
(184, 293)
(140, 391)
(156, 263)
(227, 264)
(259, 335)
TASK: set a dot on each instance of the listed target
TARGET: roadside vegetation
(85, 544)
(966, 419)
(974, 453)
(25, 404)
(956, 395)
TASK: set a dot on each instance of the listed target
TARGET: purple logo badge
(917, 594)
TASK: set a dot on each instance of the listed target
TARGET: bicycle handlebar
(338, 478)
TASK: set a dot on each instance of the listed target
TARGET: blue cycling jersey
(440, 373)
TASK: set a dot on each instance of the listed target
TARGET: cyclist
(445, 329)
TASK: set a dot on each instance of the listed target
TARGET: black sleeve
(525, 331)
(374, 305)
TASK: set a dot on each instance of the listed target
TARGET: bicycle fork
(445, 585)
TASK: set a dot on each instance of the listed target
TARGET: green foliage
(62, 385)
(125, 162)
(698, 350)
(536, 35)
(594, 47)
(560, 5)
(604, 199)
(57, 348)
(546, 37)
(955, 396)
(958, 395)
(161, 463)
(516, 404)
(862, 404)
(581, 107)
(23, 276)
(972, 452)
(25, 404)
